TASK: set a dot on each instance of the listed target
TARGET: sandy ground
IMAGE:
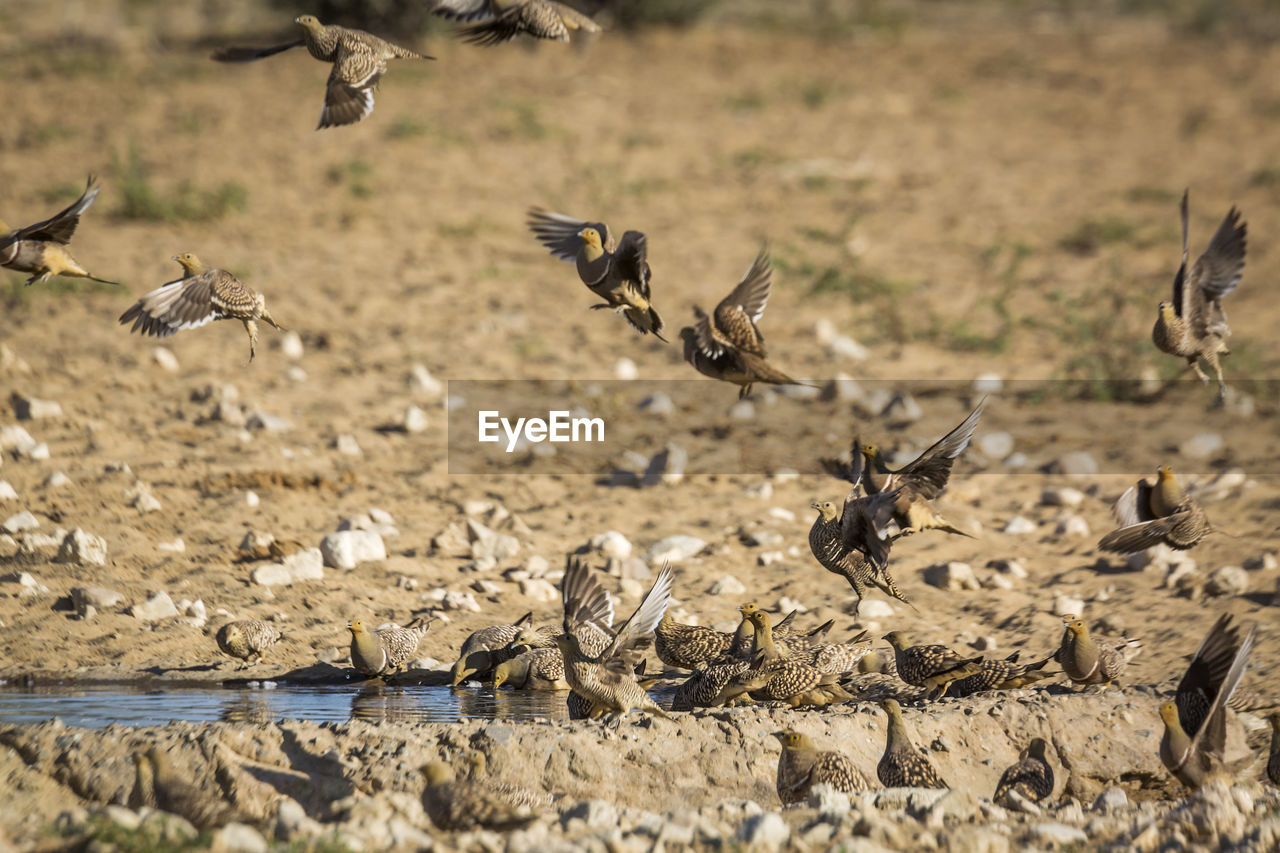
(962, 202)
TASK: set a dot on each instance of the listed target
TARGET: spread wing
(1134, 506)
(465, 10)
(249, 54)
(850, 470)
(711, 345)
(1216, 273)
(59, 227)
(928, 473)
(1180, 306)
(1211, 739)
(348, 96)
(636, 633)
(737, 314)
(630, 262)
(1140, 537)
(1207, 673)
(585, 601)
(559, 233)
(183, 304)
(865, 525)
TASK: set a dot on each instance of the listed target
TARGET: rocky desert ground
(959, 204)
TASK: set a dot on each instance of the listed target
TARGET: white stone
(1059, 833)
(742, 410)
(291, 345)
(1228, 580)
(16, 438)
(1072, 525)
(657, 403)
(146, 502)
(57, 480)
(347, 549)
(781, 513)
(842, 346)
(1061, 496)
(422, 382)
(306, 564)
(489, 545)
(766, 831)
(1012, 568)
(539, 590)
(1078, 463)
(786, 604)
(267, 422)
(1201, 445)
(415, 420)
(953, 576)
(7, 492)
(994, 445)
(30, 586)
(251, 499)
(843, 388)
(460, 601)
(903, 407)
(159, 606)
(625, 369)
(177, 546)
(165, 359)
(1264, 562)
(1019, 526)
(727, 585)
(876, 608)
(83, 549)
(673, 549)
(1065, 605)
(1112, 799)
(238, 838)
(38, 453)
(34, 409)
(347, 445)
(666, 467)
(96, 596)
(997, 581)
(19, 522)
(611, 543)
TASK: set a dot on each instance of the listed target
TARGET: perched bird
(617, 273)
(1030, 780)
(478, 772)
(175, 795)
(247, 639)
(918, 483)
(498, 21)
(201, 295)
(1273, 763)
(607, 679)
(703, 686)
(728, 345)
(359, 60)
(1005, 674)
(490, 646)
(1086, 661)
(933, 667)
(144, 784)
(688, 646)
(1195, 722)
(385, 650)
(1152, 513)
(801, 766)
(1192, 324)
(902, 765)
(796, 679)
(41, 249)
(465, 804)
(852, 542)
(534, 669)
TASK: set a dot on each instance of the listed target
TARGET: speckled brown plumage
(1005, 674)
(801, 766)
(1150, 514)
(1087, 661)
(1030, 779)
(933, 667)
(201, 296)
(702, 688)
(533, 669)
(494, 22)
(40, 250)
(487, 647)
(175, 795)
(247, 639)
(902, 765)
(385, 650)
(688, 646)
(853, 542)
(1192, 324)
(455, 804)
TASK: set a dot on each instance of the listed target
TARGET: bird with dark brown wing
(853, 542)
(688, 646)
(1273, 762)
(607, 679)
(903, 765)
(1005, 674)
(617, 273)
(202, 295)
(359, 60)
(1195, 722)
(1153, 513)
(497, 21)
(1028, 781)
(487, 647)
(1087, 661)
(797, 678)
(801, 766)
(41, 249)
(454, 804)
(727, 345)
(532, 669)
(918, 483)
(1192, 324)
(933, 667)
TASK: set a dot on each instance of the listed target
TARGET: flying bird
(41, 249)
(497, 21)
(1153, 513)
(359, 60)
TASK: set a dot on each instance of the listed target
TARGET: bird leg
(744, 391)
(252, 328)
(1195, 365)
(266, 316)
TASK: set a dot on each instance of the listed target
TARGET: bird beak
(815, 505)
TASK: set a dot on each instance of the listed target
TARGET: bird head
(475, 761)
(746, 609)
(897, 639)
(1164, 473)
(827, 509)
(1074, 624)
(355, 626)
(501, 673)
(1038, 748)
(791, 739)
(687, 333)
(758, 617)
(870, 451)
(191, 265)
(591, 237)
(566, 643)
(1166, 311)
(891, 707)
(308, 22)
(436, 773)
(1169, 713)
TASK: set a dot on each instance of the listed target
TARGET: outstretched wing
(183, 304)
(585, 601)
(559, 233)
(464, 10)
(1206, 673)
(249, 54)
(59, 227)
(1216, 273)
(737, 314)
(630, 262)
(1134, 506)
(928, 473)
(1180, 306)
(348, 96)
(637, 631)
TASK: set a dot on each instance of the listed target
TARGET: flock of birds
(602, 665)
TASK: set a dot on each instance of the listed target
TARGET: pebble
(1072, 525)
(291, 345)
(487, 544)
(658, 404)
(596, 814)
(165, 359)
(17, 439)
(83, 549)
(903, 407)
(994, 445)
(843, 346)
(1112, 799)
(29, 586)
(383, 525)
(1059, 833)
(1079, 463)
(34, 409)
(673, 549)
(611, 543)
(38, 453)
(781, 513)
(251, 499)
(267, 422)
(100, 597)
(1061, 496)
(786, 604)
(422, 382)
(625, 369)
(1228, 580)
(1012, 568)
(453, 600)
(347, 549)
(159, 606)
(1019, 526)
(7, 492)
(952, 576)
(875, 608)
(666, 467)
(19, 522)
(56, 480)
(1064, 605)
(1265, 561)
(347, 445)
(1201, 445)
(414, 420)
(177, 546)
(766, 830)
(237, 837)
(539, 590)
(727, 585)
(742, 410)
(843, 388)
(761, 491)
(762, 538)
(304, 565)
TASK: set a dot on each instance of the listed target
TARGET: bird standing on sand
(854, 544)
(728, 345)
(1087, 661)
(498, 21)
(385, 650)
(796, 679)
(617, 273)
(1192, 324)
(454, 804)
(1195, 722)
(200, 296)
(41, 249)
(247, 639)
(607, 679)
(1153, 513)
(801, 766)
(1030, 780)
(175, 795)
(902, 765)
(688, 646)
(359, 60)
(933, 667)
